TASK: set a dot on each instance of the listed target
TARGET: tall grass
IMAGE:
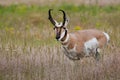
(49, 63)
(28, 50)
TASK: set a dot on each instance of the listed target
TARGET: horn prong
(50, 17)
(64, 17)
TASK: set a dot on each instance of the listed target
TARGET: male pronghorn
(81, 43)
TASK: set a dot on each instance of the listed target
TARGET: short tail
(107, 36)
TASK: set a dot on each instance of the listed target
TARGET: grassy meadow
(29, 51)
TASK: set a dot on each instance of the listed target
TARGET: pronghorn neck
(63, 35)
(65, 38)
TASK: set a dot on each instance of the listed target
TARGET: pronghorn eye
(54, 28)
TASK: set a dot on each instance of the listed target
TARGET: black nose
(57, 37)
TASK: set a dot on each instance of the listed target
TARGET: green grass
(21, 21)
(29, 51)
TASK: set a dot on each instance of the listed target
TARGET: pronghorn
(81, 43)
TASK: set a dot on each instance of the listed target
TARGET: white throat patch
(67, 38)
(62, 35)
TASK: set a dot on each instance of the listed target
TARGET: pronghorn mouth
(58, 37)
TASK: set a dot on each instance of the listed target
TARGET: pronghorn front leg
(69, 55)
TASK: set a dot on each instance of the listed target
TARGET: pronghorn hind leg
(97, 54)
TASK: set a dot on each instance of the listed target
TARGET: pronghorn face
(57, 32)
(60, 28)
(60, 32)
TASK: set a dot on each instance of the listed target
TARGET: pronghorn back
(86, 35)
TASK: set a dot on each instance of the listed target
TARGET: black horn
(64, 17)
(50, 17)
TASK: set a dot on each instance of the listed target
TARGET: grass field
(29, 51)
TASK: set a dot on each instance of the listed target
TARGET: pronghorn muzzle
(57, 36)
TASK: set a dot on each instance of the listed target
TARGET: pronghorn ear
(66, 22)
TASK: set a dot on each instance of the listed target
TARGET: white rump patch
(91, 46)
(107, 36)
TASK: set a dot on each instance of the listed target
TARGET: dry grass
(49, 63)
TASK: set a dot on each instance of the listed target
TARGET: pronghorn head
(60, 28)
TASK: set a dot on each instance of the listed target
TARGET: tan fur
(80, 37)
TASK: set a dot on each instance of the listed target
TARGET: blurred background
(29, 51)
(49, 2)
